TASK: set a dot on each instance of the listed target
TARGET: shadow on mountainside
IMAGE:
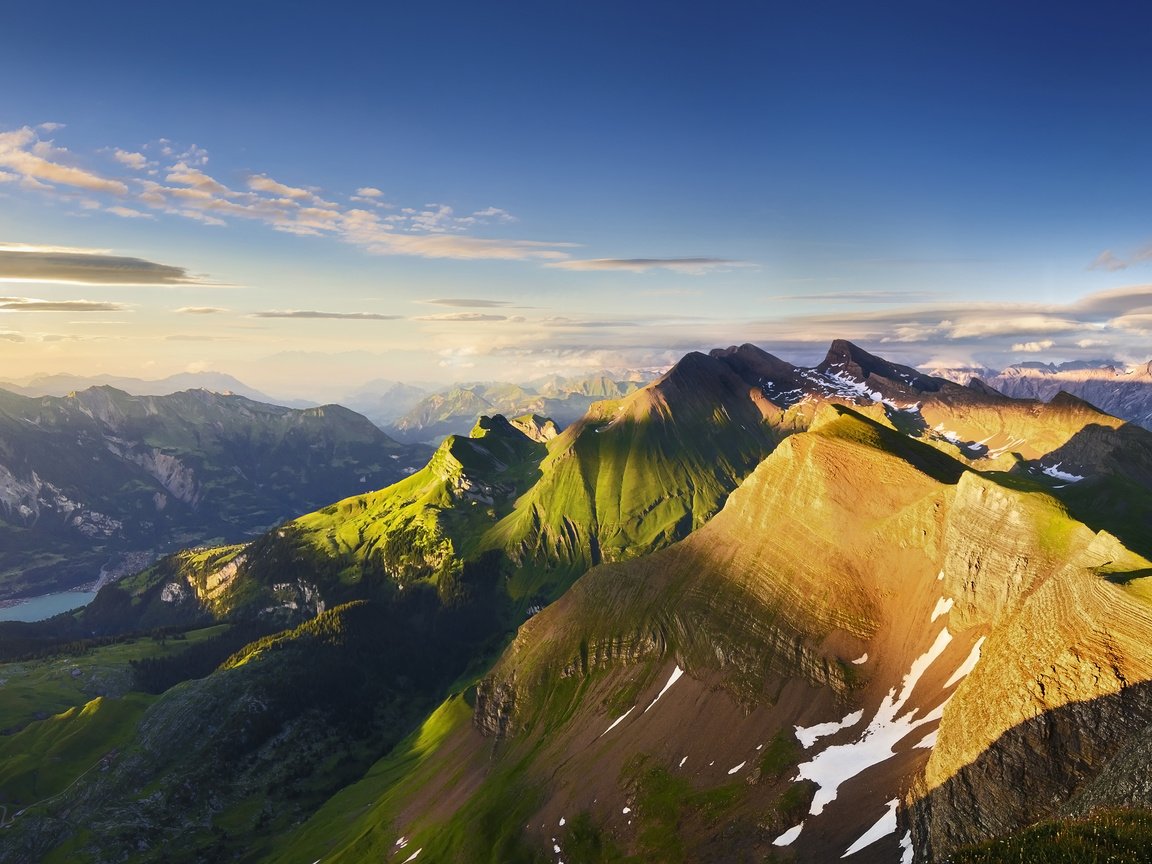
(1064, 763)
(1116, 492)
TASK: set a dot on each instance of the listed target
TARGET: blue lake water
(38, 608)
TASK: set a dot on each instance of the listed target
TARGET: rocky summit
(747, 612)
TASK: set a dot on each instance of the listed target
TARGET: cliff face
(1060, 688)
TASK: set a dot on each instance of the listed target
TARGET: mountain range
(749, 611)
(1122, 390)
(100, 479)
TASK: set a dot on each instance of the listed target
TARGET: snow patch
(940, 576)
(1054, 471)
(928, 741)
(562, 821)
(943, 607)
(906, 853)
(839, 763)
(414, 855)
(556, 848)
(808, 735)
(676, 673)
(402, 842)
(738, 767)
(626, 810)
(968, 665)
(682, 761)
(884, 826)
(861, 660)
(788, 836)
(617, 721)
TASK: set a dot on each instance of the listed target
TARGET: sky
(310, 197)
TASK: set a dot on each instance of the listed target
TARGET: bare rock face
(495, 705)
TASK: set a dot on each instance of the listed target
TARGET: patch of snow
(928, 741)
(556, 848)
(808, 735)
(839, 763)
(943, 607)
(676, 673)
(626, 810)
(682, 761)
(940, 576)
(884, 826)
(562, 821)
(759, 746)
(738, 767)
(906, 853)
(1054, 471)
(402, 842)
(788, 836)
(862, 659)
(414, 855)
(968, 665)
(617, 721)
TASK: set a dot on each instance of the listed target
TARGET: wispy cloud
(184, 188)
(29, 304)
(851, 297)
(201, 310)
(40, 163)
(128, 213)
(1110, 262)
(160, 179)
(462, 316)
(692, 266)
(344, 316)
(464, 302)
(20, 262)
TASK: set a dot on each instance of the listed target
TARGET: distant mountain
(216, 382)
(750, 611)
(91, 477)
(1118, 389)
(564, 399)
(383, 401)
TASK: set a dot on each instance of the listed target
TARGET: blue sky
(315, 196)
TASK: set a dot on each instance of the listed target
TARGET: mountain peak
(848, 358)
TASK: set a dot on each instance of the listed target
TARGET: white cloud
(132, 159)
(1033, 347)
(42, 163)
(263, 183)
(128, 213)
(369, 192)
(495, 214)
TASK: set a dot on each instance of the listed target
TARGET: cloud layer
(47, 264)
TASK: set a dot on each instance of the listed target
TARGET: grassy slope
(34, 688)
(47, 756)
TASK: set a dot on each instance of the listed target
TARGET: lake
(45, 606)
